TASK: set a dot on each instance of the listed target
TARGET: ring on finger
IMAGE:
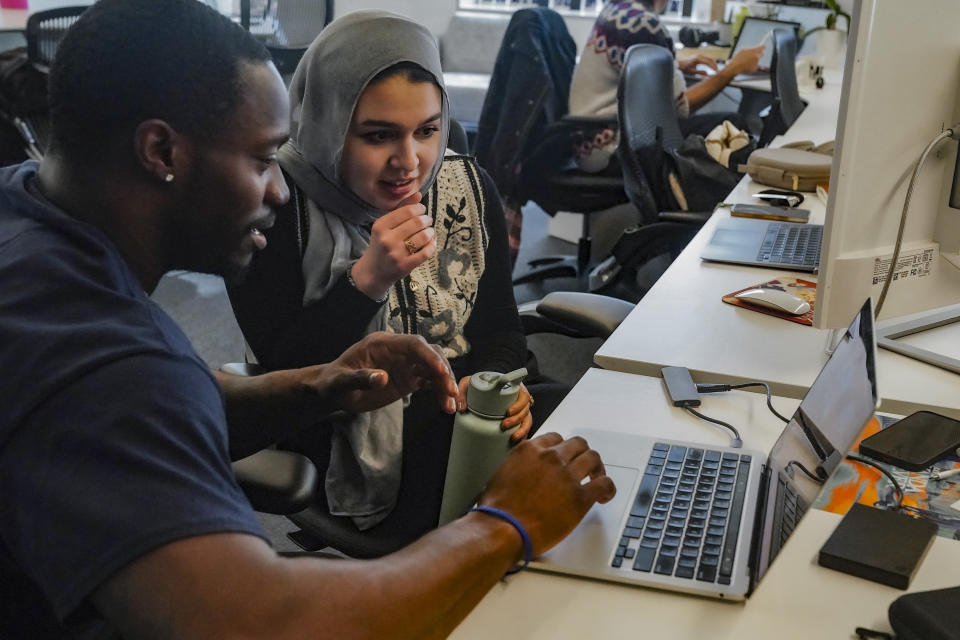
(411, 246)
(531, 401)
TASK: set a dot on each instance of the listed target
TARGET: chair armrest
(243, 368)
(278, 482)
(637, 245)
(689, 217)
(576, 314)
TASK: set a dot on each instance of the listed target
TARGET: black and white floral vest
(436, 299)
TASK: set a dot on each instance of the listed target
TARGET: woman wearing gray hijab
(385, 230)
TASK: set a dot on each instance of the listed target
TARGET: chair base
(558, 266)
(306, 540)
(549, 267)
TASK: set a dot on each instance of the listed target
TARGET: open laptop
(709, 520)
(756, 31)
(765, 243)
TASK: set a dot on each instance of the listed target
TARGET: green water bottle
(478, 446)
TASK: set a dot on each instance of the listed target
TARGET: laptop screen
(754, 31)
(826, 424)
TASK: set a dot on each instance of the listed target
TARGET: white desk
(683, 322)
(796, 599)
(16, 19)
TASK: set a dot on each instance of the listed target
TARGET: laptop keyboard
(791, 244)
(685, 518)
(789, 508)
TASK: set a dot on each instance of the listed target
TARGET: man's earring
(168, 177)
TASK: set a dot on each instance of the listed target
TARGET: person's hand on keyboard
(549, 484)
(691, 65)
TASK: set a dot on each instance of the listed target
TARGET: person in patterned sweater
(384, 230)
(593, 91)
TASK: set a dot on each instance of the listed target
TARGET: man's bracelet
(527, 545)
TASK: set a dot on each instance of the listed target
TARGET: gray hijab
(325, 89)
(363, 477)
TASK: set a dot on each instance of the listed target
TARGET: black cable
(736, 443)
(806, 472)
(896, 485)
(715, 388)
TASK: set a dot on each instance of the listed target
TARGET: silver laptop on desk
(709, 520)
(765, 243)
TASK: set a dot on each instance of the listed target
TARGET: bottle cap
(490, 393)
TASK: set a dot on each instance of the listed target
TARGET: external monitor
(901, 89)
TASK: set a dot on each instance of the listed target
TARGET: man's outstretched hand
(384, 367)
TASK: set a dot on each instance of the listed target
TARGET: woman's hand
(518, 414)
(400, 241)
(689, 65)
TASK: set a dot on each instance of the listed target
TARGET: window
(570, 7)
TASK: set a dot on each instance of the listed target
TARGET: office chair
(787, 104)
(555, 183)
(649, 126)
(649, 130)
(44, 31)
(457, 139)
(286, 27)
(525, 138)
(23, 78)
(274, 481)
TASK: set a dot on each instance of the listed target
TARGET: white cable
(948, 133)
(943, 475)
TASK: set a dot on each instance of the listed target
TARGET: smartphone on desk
(915, 442)
(766, 212)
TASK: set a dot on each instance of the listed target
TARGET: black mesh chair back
(648, 125)
(44, 31)
(787, 105)
(286, 27)
(649, 129)
(23, 103)
(457, 139)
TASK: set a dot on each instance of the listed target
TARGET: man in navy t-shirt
(119, 513)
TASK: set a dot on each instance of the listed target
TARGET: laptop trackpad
(738, 237)
(736, 240)
(596, 536)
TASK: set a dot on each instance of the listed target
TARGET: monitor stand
(887, 336)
